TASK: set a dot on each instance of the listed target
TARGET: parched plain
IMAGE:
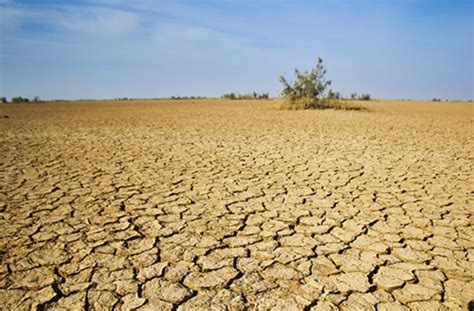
(233, 205)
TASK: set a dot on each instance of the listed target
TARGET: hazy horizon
(105, 49)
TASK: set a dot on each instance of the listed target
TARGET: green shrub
(308, 91)
(20, 99)
(229, 96)
(334, 95)
(365, 97)
(254, 95)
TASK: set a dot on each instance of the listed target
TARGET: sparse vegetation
(3, 100)
(436, 99)
(254, 95)
(365, 97)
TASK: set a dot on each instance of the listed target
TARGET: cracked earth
(172, 205)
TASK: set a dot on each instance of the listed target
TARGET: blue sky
(151, 48)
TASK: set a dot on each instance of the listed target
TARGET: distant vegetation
(354, 96)
(334, 95)
(307, 92)
(188, 97)
(19, 99)
(254, 95)
(159, 98)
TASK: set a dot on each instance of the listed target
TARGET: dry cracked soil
(212, 205)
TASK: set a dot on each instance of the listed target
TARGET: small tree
(3, 100)
(20, 99)
(353, 96)
(365, 97)
(334, 95)
(308, 91)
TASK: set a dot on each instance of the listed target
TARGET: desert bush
(229, 96)
(253, 95)
(308, 91)
(20, 99)
(353, 96)
(365, 97)
(184, 97)
(334, 95)
(436, 99)
(3, 100)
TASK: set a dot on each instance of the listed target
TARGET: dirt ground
(196, 205)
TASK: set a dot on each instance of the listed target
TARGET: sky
(80, 49)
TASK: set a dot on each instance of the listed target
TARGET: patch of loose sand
(194, 205)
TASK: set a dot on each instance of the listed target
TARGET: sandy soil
(231, 205)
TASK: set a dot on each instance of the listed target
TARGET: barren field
(232, 205)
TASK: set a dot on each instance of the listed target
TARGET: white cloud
(89, 19)
(98, 21)
(174, 33)
(101, 27)
(195, 20)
